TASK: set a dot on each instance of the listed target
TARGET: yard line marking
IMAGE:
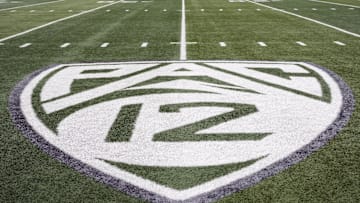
(51, 11)
(57, 21)
(351, 8)
(65, 45)
(339, 43)
(146, 10)
(328, 2)
(262, 44)
(25, 45)
(164, 10)
(32, 11)
(333, 9)
(202, 10)
(258, 9)
(186, 43)
(127, 10)
(295, 9)
(104, 45)
(220, 9)
(183, 32)
(144, 44)
(108, 10)
(308, 19)
(222, 44)
(314, 9)
(49, 2)
(239, 9)
(70, 11)
(301, 43)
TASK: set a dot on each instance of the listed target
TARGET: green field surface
(343, 17)
(27, 174)
(4, 4)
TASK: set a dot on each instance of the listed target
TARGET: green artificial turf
(29, 175)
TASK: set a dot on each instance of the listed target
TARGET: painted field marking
(334, 9)
(314, 9)
(164, 10)
(327, 2)
(177, 43)
(51, 11)
(144, 44)
(262, 44)
(339, 43)
(104, 45)
(49, 2)
(108, 10)
(183, 32)
(306, 18)
(222, 44)
(32, 11)
(239, 9)
(220, 9)
(295, 9)
(202, 10)
(258, 9)
(301, 43)
(56, 21)
(127, 10)
(25, 45)
(146, 10)
(70, 11)
(351, 8)
(65, 45)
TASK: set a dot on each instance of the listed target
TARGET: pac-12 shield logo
(174, 131)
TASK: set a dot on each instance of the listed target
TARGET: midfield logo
(194, 131)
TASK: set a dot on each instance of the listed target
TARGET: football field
(156, 50)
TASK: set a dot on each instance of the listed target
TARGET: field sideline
(41, 33)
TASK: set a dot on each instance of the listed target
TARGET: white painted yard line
(339, 4)
(144, 44)
(339, 43)
(301, 43)
(57, 21)
(258, 9)
(108, 10)
(51, 11)
(220, 9)
(296, 9)
(239, 9)
(180, 43)
(48, 2)
(334, 9)
(32, 11)
(164, 10)
(202, 10)
(25, 45)
(222, 44)
(65, 45)
(308, 19)
(104, 45)
(183, 33)
(262, 44)
(314, 9)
